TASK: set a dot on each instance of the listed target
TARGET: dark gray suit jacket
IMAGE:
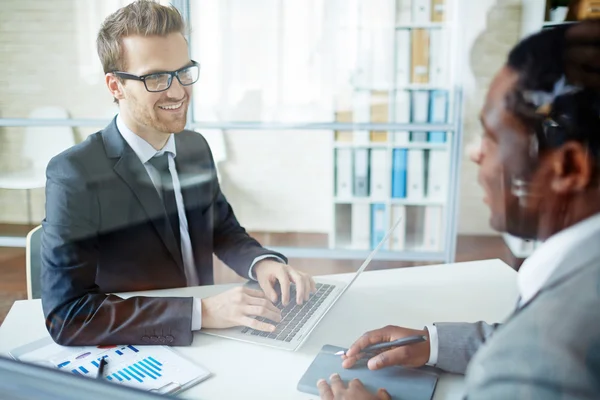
(106, 231)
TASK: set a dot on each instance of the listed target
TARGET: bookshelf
(401, 159)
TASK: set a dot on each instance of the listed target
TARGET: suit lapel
(133, 172)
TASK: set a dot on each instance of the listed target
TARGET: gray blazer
(548, 349)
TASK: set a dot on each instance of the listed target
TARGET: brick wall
(41, 65)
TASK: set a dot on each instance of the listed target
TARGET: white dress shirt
(539, 266)
(145, 152)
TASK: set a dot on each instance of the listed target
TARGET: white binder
(404, 12)
(361, 226)
(381, 175)
(438, 174)
(343, 173)
(438, 58)
(398, 239)
(403, 52)
(361, 173)
(421, 11)
(433, 229)
(415, 189)
(402, 116)
(420, 113)
(361, 113)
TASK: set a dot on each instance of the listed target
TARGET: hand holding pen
(389, 346)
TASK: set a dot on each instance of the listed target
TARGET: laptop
(298, 321)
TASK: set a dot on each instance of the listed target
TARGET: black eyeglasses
(161, 81)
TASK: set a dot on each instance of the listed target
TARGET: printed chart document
(152, 368)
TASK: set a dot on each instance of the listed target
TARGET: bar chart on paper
(144, 367)
(151, 368)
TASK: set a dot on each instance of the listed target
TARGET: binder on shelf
(419, 113)
(397, 240)
(433, 228)
(361, 172)
(421, 11)
(403, 12)
(438, 10)
(361, 226)
(399, 164)
(403, 55)
(415, 227)
(361, 114)
(438, 58)
(343, 173)
(420, 56)
(415, 181)
(438, 175)
(380, 174)
(379, 114)
(342, 226)
(438, 113)
(402, 116)
(378, 225)
(343, 114)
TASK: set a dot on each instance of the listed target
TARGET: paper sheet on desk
(150, 368)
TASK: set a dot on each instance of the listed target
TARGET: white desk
(411, 297)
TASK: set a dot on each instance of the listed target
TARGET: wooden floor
(469, 248)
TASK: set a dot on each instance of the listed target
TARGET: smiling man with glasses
(138, 206)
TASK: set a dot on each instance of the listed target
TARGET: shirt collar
(143, 149)
(554, 252)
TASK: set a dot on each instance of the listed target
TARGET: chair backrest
(33, 263)
(44, 142)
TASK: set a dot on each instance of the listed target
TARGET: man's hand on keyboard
(238, 307)
(270, 272)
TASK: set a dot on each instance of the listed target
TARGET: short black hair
(541, 61)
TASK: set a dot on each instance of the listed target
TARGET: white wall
(490, 28)
(280, 181)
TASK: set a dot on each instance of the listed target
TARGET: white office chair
(40, 145)
(33, 263)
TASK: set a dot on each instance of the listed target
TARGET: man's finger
(337, 385)
(382, 394)
(369, 338)
(397, 356)
(313, 285)
(268, 289)
(284, 283)
(259, 311)
(255, 301)
(255, 324)
(356, 384)
(254, 293)
(301, 287)
(324, 390)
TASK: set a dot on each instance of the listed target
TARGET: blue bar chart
(144, 367)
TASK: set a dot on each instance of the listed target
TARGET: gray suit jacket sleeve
(76, 311)
(458, 342)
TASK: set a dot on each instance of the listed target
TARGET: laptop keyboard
(293, 316)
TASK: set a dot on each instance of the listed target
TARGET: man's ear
(114, 86)
(571, 168)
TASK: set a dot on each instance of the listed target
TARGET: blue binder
(399, 173)
(438, 114)
(378, 227)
